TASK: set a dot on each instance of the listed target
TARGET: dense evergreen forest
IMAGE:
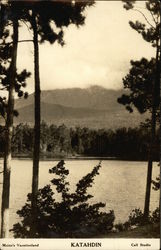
(61, 141)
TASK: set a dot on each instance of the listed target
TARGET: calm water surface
(120, 184)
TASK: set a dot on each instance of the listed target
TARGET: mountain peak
(93, 107)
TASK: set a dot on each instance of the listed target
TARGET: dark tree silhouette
(9, 121)
(70, 217)
(41, 15)
(150, 31)
(12, 82)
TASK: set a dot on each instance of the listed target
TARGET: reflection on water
(120, 184)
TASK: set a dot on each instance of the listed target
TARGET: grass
(147, 231)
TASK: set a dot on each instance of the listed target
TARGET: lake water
(120, 184)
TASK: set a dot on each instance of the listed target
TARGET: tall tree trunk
(8, 137)
(36, 152)
(156, 89)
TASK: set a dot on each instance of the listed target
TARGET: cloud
(97, 53)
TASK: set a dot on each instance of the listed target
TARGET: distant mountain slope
(55, 111)
(83, 117)
(94, 97)
(95, 107)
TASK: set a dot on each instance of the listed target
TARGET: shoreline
(81, 158)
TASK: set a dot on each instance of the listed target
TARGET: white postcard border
(75, 244)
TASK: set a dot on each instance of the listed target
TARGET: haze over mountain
(94, 97)
(94, 107)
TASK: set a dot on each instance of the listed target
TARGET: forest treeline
(61, 141)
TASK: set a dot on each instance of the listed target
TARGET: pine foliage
(72, 216)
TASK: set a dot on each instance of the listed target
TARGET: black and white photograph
(80, 124)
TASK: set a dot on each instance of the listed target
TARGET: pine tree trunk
(36, 152)
(8, 137)
(156, 89)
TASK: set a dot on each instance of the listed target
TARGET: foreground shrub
(155, 218)
(136, 219)
(72, 216)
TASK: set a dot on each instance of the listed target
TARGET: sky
(97, 53)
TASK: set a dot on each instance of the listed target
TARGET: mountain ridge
(95, 97)
(94, 107)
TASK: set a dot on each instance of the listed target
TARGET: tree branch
(3, 88)
(144, 17)
(21, 41)
(27, 26)
(153, 18)
(27, 40)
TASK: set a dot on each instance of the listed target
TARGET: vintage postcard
(79, 124)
